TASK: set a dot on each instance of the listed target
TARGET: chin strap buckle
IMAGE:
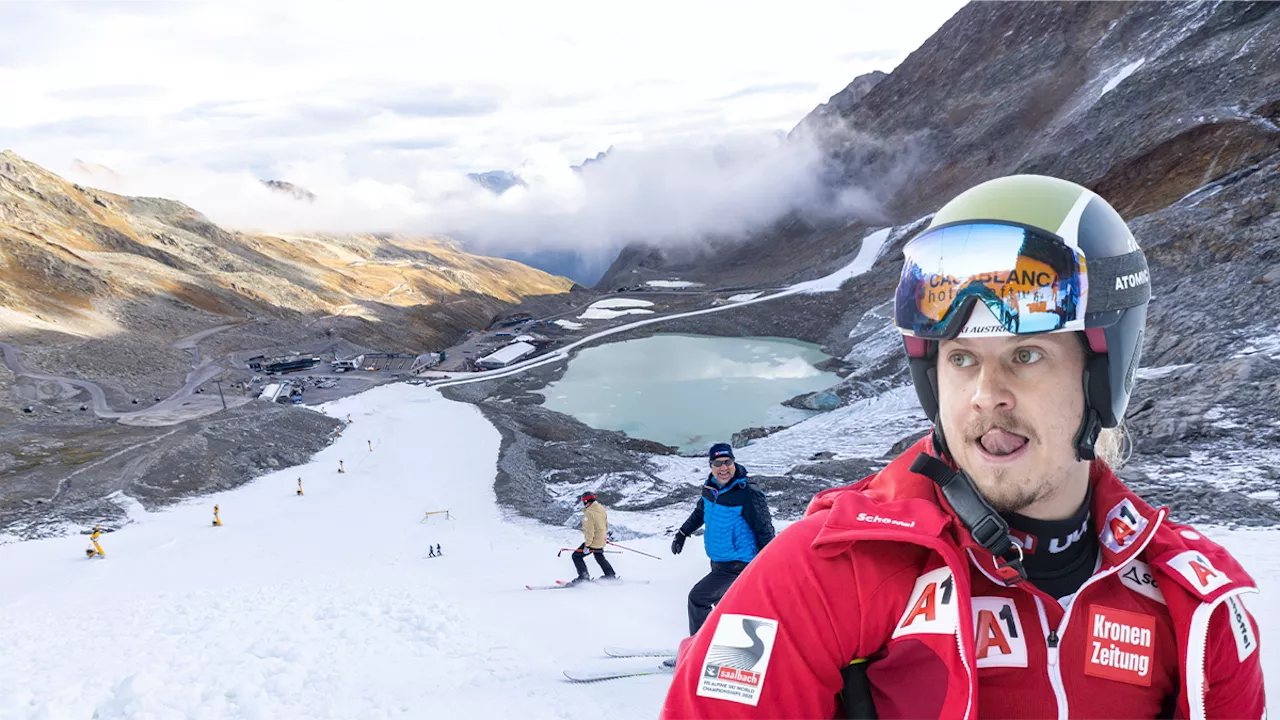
(1011, 571)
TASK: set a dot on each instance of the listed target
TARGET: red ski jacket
(882, 570)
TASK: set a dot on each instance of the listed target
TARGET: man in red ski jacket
(998, 568)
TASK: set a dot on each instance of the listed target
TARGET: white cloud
(381, 109)
(663, 193)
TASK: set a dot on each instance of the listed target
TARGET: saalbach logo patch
(737, 659)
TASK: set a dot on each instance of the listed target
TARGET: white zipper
(1055, 672)
(1052, 643)
(1198, 651)
(968, 708)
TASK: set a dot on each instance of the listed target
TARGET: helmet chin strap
(1087, 436)
(1097, 401)
(982, 521)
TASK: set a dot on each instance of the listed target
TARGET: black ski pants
(581, 564)
(708, 591)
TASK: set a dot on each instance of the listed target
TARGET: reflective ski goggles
(1031, 281)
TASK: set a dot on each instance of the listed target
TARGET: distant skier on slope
(595, 533)
(738, 526)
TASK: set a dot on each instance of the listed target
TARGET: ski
(563, 584)
(628, 652)
(560, 585)
(588, 676)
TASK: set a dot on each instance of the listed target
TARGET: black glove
(677, 543)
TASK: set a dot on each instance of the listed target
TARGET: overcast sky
(382, 109)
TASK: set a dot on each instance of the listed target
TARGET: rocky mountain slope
(80, 262)
(1170, 111)
(143, 296)
(1142, 102)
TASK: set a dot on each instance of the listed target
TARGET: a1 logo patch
(1122, 526)
(1196, 568)
(998, 629)
(1121, 645)
(933, 606)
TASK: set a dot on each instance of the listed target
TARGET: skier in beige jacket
(595, 533)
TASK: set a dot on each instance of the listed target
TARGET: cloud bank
(381, 111)
(660, 193)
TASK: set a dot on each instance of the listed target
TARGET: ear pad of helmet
(924, 376)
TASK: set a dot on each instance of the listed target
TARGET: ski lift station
(506, 356)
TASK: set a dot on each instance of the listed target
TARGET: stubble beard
(1008, 491)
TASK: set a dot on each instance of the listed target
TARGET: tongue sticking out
(1001, 442)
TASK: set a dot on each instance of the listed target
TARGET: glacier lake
(689, 391)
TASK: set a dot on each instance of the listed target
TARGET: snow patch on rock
(1122, 75)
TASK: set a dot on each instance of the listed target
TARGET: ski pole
(624, 547)
(565, 550)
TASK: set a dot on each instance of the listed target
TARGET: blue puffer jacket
(737, 519)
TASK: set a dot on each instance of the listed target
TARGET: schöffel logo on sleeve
(1246, 640)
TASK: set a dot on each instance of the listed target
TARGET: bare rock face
(1142, 102)
(841, 103)
(288, 188)
(1169, 111)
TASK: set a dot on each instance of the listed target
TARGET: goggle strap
(1119, 282)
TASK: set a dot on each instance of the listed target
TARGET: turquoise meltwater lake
(689, 391)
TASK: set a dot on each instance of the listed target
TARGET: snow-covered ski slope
(325, 606)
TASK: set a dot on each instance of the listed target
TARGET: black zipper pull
(1053, 638)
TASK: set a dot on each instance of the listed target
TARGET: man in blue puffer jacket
(738, 527)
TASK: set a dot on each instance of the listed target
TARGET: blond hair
(1113, 447)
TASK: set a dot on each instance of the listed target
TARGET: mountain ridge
(1068, 99)
(71, 253)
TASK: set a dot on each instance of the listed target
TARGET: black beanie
(721, 450)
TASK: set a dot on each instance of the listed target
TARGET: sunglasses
(721, 463)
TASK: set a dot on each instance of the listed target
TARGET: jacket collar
(1125, 523)
(893, 504)
(899, 504)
